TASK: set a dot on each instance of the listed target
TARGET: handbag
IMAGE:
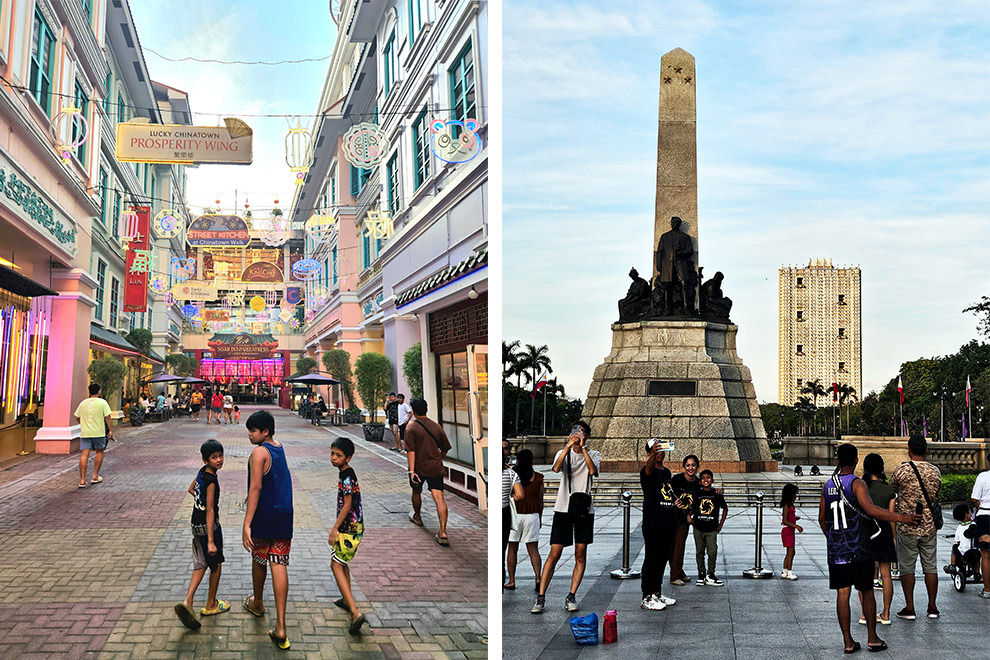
(855, 509)
(579, 504)
(936, 511)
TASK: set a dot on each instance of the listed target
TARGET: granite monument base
(677, 380)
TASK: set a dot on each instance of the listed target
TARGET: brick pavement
(94, 573)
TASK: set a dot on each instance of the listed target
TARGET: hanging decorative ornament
(317, 296)
(225, 304)
(455, 141)
(321, 228)
(292, 297)
(365, 145)
(168, 298)
(69, 123)
(274, 231)
(182, 269)
(238, 326)
(299, 152)
(278, 328)
(190, 311)
(237, 297)
(294, 323)
(306, 269)
(129, 223)
(262, 317)
(257, 303)
(158, 286)
(196, 321)
(167, 224)
(310, 315)
(257, 328)
(285, 315)
(271, 297)
(221, 269)
(379, 224)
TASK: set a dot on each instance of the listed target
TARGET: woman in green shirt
(884, 552)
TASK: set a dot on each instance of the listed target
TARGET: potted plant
(353, 415)
(374, 379)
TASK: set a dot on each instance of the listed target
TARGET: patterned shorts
(346, 546)
(275, 551)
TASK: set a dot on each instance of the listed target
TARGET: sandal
(97, 480)
(416, 520)
(356, 624)
(222, 606)
(855, 648)
(509, 587)
(882, 646)
(442, 540)
(187, 616)
(250, 599)
(340, 603)
(281, 642)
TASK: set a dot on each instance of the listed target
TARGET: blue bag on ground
(585, 629)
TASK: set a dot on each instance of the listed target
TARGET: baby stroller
(966, 571)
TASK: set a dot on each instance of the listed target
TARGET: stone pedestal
(680, 381)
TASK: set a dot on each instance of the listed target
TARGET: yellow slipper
(222, 606)
(281, 642)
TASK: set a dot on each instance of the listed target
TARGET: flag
(835, 390)
(900, 390)
(969, 389)
(540, 382)
(904, 427)
(924, 423)
(964, 425)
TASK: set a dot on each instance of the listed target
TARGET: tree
(338, 363)
(306, 365)
(108, 373)
(535, 360)
(982, 312)
(846, 393)
(804, 407)
(374, 380)
(815, 389)
(180, 364)
(511, 361)
(141, 339)
(412, 369)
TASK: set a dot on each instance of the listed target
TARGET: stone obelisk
(675, 374)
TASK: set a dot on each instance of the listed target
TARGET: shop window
(114, 303)
(101, 283)
(462, 96)
(421, 149)
(452, 371)
(42, 54)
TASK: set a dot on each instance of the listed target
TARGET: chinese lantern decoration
(168, 298)
(321, 228)
(158, 286)
(129, 222)
(365, 145)
(182, 269)
(66, 123)
(271, 297)
(262, 317)
(274, 231)
(318, 296)
(225, 304)
(299, 152)
(306, 269)
(285, 315)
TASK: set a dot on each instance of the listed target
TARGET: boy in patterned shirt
(347, 528)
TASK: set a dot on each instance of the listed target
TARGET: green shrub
(956, 487)
(306, 365)
(338, 365)
(374, 380)
(412, 369)
(109, 373)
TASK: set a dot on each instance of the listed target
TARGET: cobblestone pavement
(95, 572)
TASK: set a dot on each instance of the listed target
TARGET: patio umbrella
(314, 379)
(192, 380)
(164, 378)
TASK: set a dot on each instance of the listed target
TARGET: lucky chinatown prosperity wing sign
(172, 143)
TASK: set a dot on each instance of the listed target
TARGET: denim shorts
(98, 444)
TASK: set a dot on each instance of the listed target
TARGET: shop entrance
(249, 381)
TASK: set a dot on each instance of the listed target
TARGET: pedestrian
(685, 485)
(573, 512)
(345, 535)
(980, 499)
(207, 536)
(267, 532)
(527, 493)
(208, 402)
(237, 414)
(848, 518)
(660, 520)
(228, 407)
(160, 402)
(392, 415)
(93, 414)
(884, 550)
(216, 405)
(195, 403)
(405, 413)
(707, 523)
(426, 447)
(789, 520)
(917, 483)
(509, 479)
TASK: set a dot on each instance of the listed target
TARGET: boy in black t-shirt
(207, 537)
(707, 523)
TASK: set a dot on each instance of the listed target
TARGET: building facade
(820, 328)
(404, 65)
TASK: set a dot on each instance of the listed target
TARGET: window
(800, 315)
(106, 99)
(121, 116)
(800, 282)
(333, 263)
(421, 149)
(800, 382)
(842, 332)
(333, 187)
(800, 349)
(842, 366)
(412, 6)
(389, 60)
(452, 374)
(116, 214)
(104, 180)
(101, 283)
(842, 299)
(42, 51)
(359, 177)
(78, 128)
(114, 303)
(462, 99)
(392, 182)
(365, 250)
(88, 8)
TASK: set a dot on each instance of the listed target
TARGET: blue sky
(858, 132)
(241, 30)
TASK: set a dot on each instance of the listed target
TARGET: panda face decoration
(455, 141)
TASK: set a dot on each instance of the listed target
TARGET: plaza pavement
(95, 572)
(745, 619)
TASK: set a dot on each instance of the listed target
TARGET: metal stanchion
(625, 572)
(24, 451)
(758, 572)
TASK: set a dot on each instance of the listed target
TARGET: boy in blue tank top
(848, 520)
(267, 532)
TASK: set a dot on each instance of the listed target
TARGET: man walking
(392, 415)
(917, 483)
(426, 447)
(405, 413)
(573, 512)
(94, 419)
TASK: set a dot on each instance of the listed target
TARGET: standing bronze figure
(674, 285)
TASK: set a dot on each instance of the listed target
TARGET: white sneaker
(651, 603)
(666, 600)
(791, 575)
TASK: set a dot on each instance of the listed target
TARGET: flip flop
(222, 606)
(442, 540)
(856, 647)
(356, 625)
(82, 485)
(416, 521)
(281, 642)
(98, 480)
(882, 646)
(247, 599)
(340, 603)
(187, 616)
(509, 587)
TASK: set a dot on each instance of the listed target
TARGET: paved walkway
(745, 619)
(94, 573)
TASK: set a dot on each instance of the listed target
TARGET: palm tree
(555, 390)
(847, 393)
(511, 361)
(815, 389)
(806, 409)
(534, 361)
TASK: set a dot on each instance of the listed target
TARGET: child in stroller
(965, 566)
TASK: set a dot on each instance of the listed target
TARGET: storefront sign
(171, 143)
(207, 230)
(262, 271)
(216, 315)
(193, 290)
(32, 206)
(474, 261)
(136, 279)
(242, 346)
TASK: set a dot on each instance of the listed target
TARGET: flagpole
(902, 419)
(545, 411)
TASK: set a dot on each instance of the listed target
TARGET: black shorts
(982, 527)
(857, 574)
(402, 431)
(194, 407)
(883, 545)
(432, 483)
(565, 532)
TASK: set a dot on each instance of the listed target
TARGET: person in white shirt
(980, 498)
(228, 407)
(405, 414)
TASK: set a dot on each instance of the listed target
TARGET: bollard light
(625, 573)
(758, 572)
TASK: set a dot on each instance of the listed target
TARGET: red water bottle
(610, 630)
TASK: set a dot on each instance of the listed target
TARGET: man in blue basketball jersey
(847, 517)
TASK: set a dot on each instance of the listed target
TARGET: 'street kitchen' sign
(173, 143)
(227, 230)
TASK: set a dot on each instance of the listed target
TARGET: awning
(114, 343)
(16, 283)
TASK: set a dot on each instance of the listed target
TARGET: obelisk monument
(673, 371)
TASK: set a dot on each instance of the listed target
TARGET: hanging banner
(207, 230)
(136, 269)
(172, 143)
(193, 290)
(262, 271)
(216, 315)
(242, 346)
